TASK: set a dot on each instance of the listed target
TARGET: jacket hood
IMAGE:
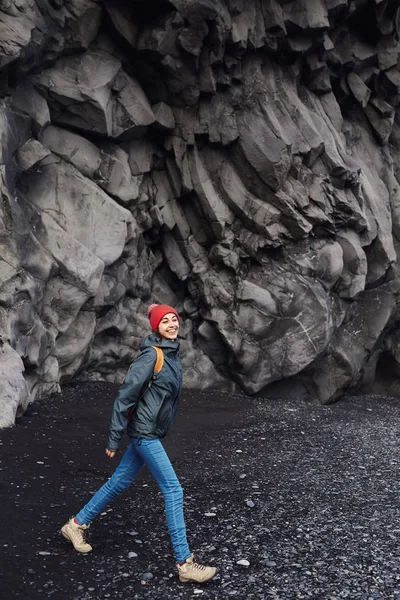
(156, 340)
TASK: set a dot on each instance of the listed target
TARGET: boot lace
(198, 566)
(83, 533)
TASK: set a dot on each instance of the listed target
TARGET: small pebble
(243, 562)
(270, 563)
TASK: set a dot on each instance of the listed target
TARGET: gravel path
(307, 495)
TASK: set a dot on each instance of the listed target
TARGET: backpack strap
(159, 361)
(158, 365)
(157, 368)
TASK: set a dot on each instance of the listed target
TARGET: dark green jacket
(154, 408)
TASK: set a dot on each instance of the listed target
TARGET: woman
(146, 405)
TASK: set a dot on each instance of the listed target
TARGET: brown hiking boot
(76, 534)
(192, 571)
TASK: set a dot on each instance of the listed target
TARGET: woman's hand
(110, 453)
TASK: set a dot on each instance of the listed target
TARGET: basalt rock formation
(239, 159)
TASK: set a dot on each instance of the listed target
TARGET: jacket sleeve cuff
(111, 445)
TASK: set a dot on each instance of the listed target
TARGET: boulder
(174, 257)
(114, 174)
(141, 156)
(164, 116)
(82, 23)
(79, 207)
(14, 396)
(215, 210)
(28, 100)
(387, 52)
(199, 372)
(76, 263)
(381, 126)
(220, 119)
(106, 164)
(257, 215)
(114, 105)
(45, 380)
(355, 265)
(339, 369)
(17, 26)
(303, 16)
(73, 148)
(360, 91)
(31, 153)
(110, 291)
(203, 10)
(32, 33)
(71, 348)
(264, 146)
(321, 259)
(122, 18)
(191, 38)
(27, 333)
(287, 324)
(78, 277)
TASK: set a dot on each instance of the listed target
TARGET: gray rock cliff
(237, 159)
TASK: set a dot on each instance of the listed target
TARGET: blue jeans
(152, 454)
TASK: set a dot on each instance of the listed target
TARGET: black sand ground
(307, 494)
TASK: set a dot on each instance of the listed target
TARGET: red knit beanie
(156, 312)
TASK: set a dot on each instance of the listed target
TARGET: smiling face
(168, 327)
